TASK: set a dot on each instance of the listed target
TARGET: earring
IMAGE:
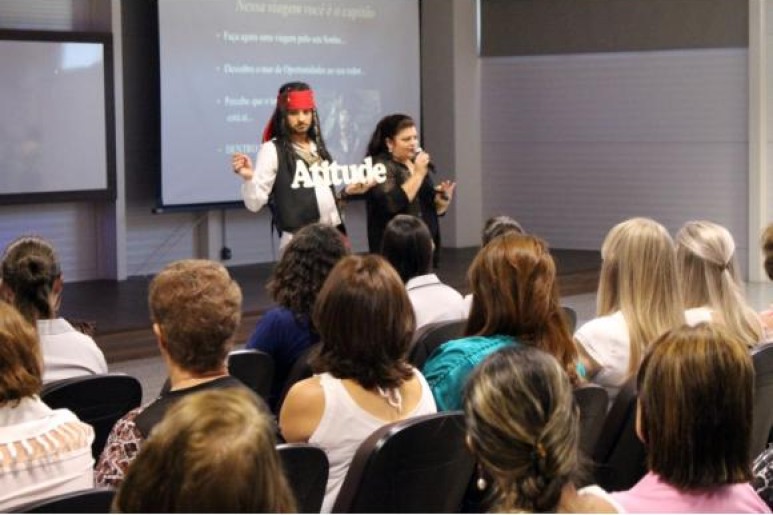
(481, 483)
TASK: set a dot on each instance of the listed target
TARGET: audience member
(524, 430)
(213, 452)
(32, 281)
(286, 331)
(366, 325)
(696, 388)
(499, 225)
(195, 307)
(407, 245)
(709, 279)
(638, 299)
(515, 302)
(43, 452)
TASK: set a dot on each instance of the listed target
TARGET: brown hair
(214, 452)
(514, 293)
(767, 249)
(696, 389)
(499, 225)
(21, 364)
(198, 308)
(523, 427)
(366, 323)
(29, 270)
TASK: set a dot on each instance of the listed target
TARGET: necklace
(392, 396)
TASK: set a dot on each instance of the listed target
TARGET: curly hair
(304, 266)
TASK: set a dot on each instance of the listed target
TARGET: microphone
(430, 165)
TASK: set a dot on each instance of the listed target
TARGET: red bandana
(290, 101)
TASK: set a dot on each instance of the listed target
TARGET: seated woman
(515, 302)
(696, 389)
(366, 325)
(409, 189)
(408, 247)
(524, 430)
(32, 281)
(710, 282)
(214, 452)
(43, 452)
(638, 299)
(286, 331)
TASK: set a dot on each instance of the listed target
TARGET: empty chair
(306, 468)
(432, 336)
(98, 400)
(417, 465)
(762, 358)
(592, 400)
(92, 500)
(619, 455)
(254, 368)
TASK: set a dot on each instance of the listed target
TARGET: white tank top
(345, 425)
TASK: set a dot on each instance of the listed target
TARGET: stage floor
(119, 308)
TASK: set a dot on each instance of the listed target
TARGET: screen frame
(101, 194)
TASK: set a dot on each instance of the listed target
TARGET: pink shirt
(652, 495)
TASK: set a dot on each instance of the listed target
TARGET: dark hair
(366, 323)
(696, 390)
(523, 427)
(499, 225)
(407, 245)
(514, 293)
(388, 127)
(281, 131)
(305, 264)
(30, 270)
(21, 364)
(198, 308)
(767, 248)
(214, 452)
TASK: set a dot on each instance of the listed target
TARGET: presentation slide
(53, 123)
(222, 62)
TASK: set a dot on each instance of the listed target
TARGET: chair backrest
(619, 455)
(300, 370)
(92, 500)
(762, 357)
(432, 336)
(306, 467)
(254, 368)
(98, 400)
(571, 318)
(592, 400)
(417, 465)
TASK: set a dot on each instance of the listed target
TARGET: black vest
(291, 208)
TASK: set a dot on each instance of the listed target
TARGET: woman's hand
(420, 163)
(358, 188)
(242, 166)
(444, 192)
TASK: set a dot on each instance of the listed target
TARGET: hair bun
(35, 270)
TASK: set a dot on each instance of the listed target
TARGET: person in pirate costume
(293, 133)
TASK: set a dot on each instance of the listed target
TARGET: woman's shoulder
(602, 325)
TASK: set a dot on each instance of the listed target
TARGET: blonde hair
(638, 278)
(523, 427)
(214, 452)
(708, 276)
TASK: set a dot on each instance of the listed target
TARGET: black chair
(300, 370)
(592, 400)
(571, 318)
(432, 336)
(762, 358)
(254, 368)
(417, 465)
(98, 400)
(619, 455)
(92, 500)
(306, 468)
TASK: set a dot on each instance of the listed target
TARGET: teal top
(448, 367)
